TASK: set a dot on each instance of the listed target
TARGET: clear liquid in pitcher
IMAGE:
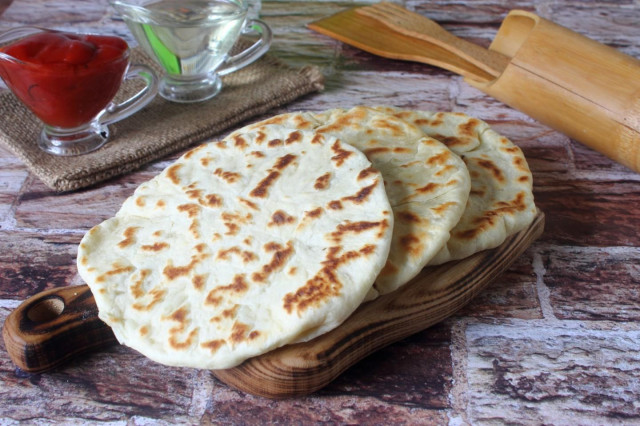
(188, 38)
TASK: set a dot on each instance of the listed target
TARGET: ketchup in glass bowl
(68, 81)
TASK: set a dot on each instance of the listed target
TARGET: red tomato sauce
(65, 79)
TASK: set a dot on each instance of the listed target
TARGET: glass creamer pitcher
(191, 41)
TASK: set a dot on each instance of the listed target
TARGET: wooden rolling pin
(589, 91)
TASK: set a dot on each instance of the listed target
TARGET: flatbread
(427, 184)
(501, 201)
(239, 248)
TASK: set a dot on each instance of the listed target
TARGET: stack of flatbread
(277, 233)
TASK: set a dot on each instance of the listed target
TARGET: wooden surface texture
(553, 340)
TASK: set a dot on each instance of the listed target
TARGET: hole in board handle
(46, 310)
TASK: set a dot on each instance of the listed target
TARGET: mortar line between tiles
(459, 355)
(202, 393)
(544, 294)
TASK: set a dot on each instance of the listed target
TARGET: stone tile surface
(553, 340)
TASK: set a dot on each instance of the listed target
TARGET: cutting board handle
(53, 327)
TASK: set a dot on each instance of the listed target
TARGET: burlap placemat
(159, 129)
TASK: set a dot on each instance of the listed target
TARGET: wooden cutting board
(53, 327)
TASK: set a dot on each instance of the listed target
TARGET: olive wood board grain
(55, 326)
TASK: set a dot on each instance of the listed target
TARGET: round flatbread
(501, 200)
(239, 247)
(427, 184)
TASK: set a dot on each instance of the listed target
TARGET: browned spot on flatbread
(211, 200)
(490, 217)
(239, 141)
(245, 255)
(438, 120)
(192, 152)
(275, 142)
(284, 161)
(175, 343)
(172, 173)
(317, 139)
(161, 203)
(129, 237)
(117, 269)
(428, 188)
(341, 153)
(194, 228)
(232, 221)
(322, 182)
(445, 170)
(439, 159)
(492, 168)
(325, 284)
(260, 137)
(389, 268)
(402, 150)
(357, 228)
(194, 193)
(468, 128)
(227, 176)
(144, 330)
(313, 213)
(257, 154)
(521, 164)
(509, 149)
(136, 287)
(198, 281)
(213, 345)
(280, 257)
(443, 207)
(365, 173)
(248, 203)
(394, 128)
(140, 202)
(353, 118)
(411, 244)
(450, 141)
(205, 162)
(260, 191)
(190, 209)
(155, 247)
(335, 205)
(362, 195)
(237, 287)
(524, 178)
(173, 272)
(240, 333)
(280, 217)
(157, 296)
(293, 138)
(377, 150)
(408, 217)
(231, 312)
